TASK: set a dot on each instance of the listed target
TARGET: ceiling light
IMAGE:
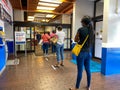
(45, 20)
(31, 17)
(48, 4)
(44, 11)
(45, 8)
(49, 15)
(39, 15)
(52, 1)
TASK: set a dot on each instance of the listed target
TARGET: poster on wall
(20, 37)
(7, 6)
(6, 12)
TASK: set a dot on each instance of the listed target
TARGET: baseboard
(2, 70)
(97, 58)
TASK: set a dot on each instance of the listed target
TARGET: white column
(81, 8)
(111, 24)
(111, 35)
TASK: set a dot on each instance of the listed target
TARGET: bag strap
(85, 40)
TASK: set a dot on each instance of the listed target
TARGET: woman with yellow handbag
(85, 36)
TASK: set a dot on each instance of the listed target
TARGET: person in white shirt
(60, 47)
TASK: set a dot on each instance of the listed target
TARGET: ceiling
(30, 8)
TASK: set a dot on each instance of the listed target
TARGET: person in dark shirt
(84, 57)
(38, 37)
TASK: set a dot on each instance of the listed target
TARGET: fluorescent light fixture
(39, 15)
(52, 1)
(45, 20)
(45, 8)
(31, 17)
(49, 15)
(48, 4)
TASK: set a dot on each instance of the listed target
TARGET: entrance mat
(94, 66)
(13, 62)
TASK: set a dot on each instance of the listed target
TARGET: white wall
(18, 15)
(111, 24)
(81, 8)
(66, 19)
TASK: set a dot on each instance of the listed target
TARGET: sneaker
(62, 64)
(57, 66)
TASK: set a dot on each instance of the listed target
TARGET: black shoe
(62, 64)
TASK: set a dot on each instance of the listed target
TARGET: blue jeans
(53, 48)
(45, 48)
(60, 52)
(83, 59)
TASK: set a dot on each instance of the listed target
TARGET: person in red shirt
(53, 34)
(45, 38)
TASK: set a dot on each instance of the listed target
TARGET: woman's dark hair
(87, 22)
(53, 31)
(59, 28)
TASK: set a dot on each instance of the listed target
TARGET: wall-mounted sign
(20, 37)
(7, 6)
(6, 13)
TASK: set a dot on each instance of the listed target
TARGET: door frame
(33, 24)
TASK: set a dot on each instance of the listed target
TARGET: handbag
(54, 40)
(77, 48)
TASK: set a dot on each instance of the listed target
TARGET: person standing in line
(45, 46)
(38, 37)
(60, 47)
(84, 57)
(52, 35)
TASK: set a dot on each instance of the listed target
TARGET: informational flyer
(20, 37)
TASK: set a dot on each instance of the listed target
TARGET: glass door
(67, 43)
(30, 39)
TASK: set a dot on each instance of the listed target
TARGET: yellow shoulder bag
(77, 48)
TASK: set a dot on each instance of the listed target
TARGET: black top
(38, 36)
(83, 32)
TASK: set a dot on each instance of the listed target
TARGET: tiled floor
(36, 73)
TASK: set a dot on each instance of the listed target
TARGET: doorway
(49, 29)
(31, 29)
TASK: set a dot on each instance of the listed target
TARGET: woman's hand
(77, 37)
